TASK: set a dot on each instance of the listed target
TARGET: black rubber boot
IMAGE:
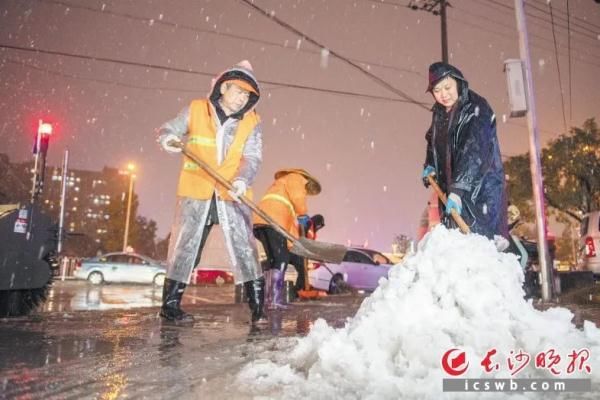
(171, 310)
(256, 300)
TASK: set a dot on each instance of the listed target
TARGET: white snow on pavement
(457, 291)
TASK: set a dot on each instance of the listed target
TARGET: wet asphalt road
(106, 342)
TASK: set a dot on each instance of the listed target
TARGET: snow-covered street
(390, 348)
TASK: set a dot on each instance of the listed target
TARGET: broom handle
(455, 215)
(209, 170)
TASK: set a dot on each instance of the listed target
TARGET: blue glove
(304, 221)
(454, 202)
(426, 172)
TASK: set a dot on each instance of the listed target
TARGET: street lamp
(130, 169)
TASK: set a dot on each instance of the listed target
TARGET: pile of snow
(457, 291)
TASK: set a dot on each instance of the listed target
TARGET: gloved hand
(164, 142)
(454, 202)
(239, 189)
(303, 224)
(304, 220)
(426, 172)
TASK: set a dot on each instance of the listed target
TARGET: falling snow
(324, 58)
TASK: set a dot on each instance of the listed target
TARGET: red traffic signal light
(44, 128)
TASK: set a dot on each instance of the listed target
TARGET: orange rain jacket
(284, 202)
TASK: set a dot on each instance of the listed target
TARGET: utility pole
(130, 168)
(436, 7)
(534, 156)
(63, 197)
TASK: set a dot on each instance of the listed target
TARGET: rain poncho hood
(440, 70)
(242, 71)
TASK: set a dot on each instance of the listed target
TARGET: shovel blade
(319, 251)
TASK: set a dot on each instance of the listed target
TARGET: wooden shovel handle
(455, 215)
(224, 182)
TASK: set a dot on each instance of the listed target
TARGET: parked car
(121, 267)
(360, 269)
(590, 241)
(211, 276)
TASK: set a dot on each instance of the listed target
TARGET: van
(590, 241)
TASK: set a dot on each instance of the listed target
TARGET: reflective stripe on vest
(202, 141)
(280, 198)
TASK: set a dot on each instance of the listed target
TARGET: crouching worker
(224, 131)
(284, 202)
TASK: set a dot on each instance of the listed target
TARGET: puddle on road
(113, 352)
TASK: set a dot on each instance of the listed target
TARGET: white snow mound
(457, 291)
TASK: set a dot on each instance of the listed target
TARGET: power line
(382, 2)
(511, 9)
(593, 26)
(494, 21)
(151, 21)
(189, 71)
(107, 82)
(569, 51)
(562, 97)
(503, 35)
(374, 77)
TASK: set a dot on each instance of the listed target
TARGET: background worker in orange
(224, 131)
(284, 202)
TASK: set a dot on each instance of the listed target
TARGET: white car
(121, 267)
(360, 269)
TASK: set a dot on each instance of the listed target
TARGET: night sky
(367, 148)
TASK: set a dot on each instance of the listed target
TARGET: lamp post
(130, 168)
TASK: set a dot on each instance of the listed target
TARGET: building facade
(90, 195)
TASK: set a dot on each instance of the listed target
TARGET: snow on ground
(457, 291)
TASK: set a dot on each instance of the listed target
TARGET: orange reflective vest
(194, 182)
(284, 202)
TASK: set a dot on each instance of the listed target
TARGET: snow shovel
(455, 215)
(320, 251)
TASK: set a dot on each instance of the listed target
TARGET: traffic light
(42, 137)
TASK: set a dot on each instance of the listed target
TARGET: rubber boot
(256, 300)
(171, 310)
(276, 295)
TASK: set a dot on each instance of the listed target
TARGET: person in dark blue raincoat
(463, 153)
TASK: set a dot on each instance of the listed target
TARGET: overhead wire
(568, 18)
(511, 29)
(175, 25)
(570, 63)
(562, 97)
(534, 16)
(190, 71)
(503, 35)
(334, 53)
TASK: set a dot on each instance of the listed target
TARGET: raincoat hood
(241, 72)
(440, 70)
